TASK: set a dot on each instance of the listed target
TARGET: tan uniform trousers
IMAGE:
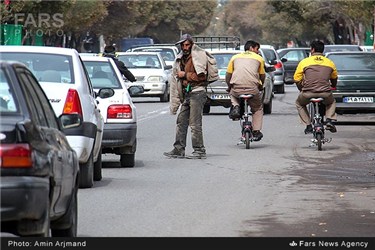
(256, 107)
(304, 98)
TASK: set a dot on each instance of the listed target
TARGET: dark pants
(190, 114)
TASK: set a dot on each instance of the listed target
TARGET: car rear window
(269, 54)
(355, 62)
(341, 48)
(45, 67)
(102, 74)
(7, 99)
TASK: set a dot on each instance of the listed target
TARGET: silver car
(271, 57)
(151, 72)
(64, 79)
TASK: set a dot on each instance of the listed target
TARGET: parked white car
(151, 72)
(119, 112)
(64, 79)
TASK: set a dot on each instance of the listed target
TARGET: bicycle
(317, 110)
(247, 134)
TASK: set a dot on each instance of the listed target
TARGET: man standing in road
(188, 81)
(109, 51)
(314, 77)
(246, 75)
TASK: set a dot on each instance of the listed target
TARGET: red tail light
(72, 103)
(278, 65)
(15, 156)
(119, 112)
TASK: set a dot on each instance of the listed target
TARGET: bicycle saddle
(318, 99)
(246, 96)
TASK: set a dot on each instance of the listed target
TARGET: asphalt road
(280, 187)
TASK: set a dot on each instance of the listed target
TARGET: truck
(127, 43)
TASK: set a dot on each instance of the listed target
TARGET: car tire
(98, 168)
(127, 160)
(280, 89)
(86, 170)
(165, 96)
(267, 108)
(206, 109)
(67, 225)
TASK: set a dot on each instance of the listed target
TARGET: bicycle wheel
(247, 139)
(311, 109)
(319, 138)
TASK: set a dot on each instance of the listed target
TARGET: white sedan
(119, 112)
(62, 76)
(151, 72)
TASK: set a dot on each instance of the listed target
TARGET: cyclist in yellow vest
(315, 76)
(246, 75)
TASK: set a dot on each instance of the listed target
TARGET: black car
(39, 169)
(291, 58)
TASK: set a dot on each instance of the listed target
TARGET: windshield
(356, 62)
(166, 54)
(45, 67)
(222, 60)
(140, 61)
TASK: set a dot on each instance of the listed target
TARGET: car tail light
(15, 156)
(72, 103)
(278, 65)
(119, 112)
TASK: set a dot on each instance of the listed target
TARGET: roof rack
(217, 42)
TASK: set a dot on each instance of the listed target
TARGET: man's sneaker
(235, 113)
(174, 154)
(197, 155)
(309, 129)
(257, 135)
(330, 126)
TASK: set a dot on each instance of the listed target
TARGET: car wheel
(67, 225)
(86, 170)
(127, 160)
(267, 108)
(280, 89)
(206, 109)
(98, 168)
(165, 96)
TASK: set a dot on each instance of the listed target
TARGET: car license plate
(219, 96)
(352, 99)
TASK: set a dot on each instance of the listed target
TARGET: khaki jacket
(176, 89)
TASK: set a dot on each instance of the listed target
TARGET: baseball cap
(185, 37)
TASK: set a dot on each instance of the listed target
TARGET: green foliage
(277, 22)
(267, 21)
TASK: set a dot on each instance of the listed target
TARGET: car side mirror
(168, 67)
(284, 60)
(70, 121)
(135, 90)
(105, 93)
